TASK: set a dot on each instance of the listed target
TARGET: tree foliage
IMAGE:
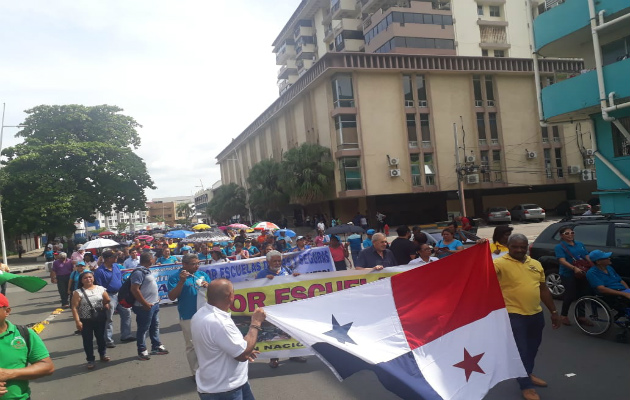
(74, 160)
(308, 173)
(228, 201)
(185, 210)
(265, 192)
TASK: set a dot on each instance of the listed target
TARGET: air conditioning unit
(470, 159)
(589, 161)
(394, 173)
(574, 169)
(531, 154)
(423, 103)
(586, 175)
(590, 152)
(394, 161)
(472, 179)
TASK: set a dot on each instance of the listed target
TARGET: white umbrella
(100, 243)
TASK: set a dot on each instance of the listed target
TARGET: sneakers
(159, 351)
(110, 345)
(144, 355)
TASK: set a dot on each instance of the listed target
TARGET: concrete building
(493, 28)
(599, 93)
(163, 211)
(202, 198)
(388, 114)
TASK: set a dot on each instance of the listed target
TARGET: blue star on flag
(340, 332)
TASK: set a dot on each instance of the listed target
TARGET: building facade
(491, 28)
(163, 211)
(599, 93)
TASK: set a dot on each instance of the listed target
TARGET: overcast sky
(193, 73)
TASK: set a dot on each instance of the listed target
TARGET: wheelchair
(601, 312)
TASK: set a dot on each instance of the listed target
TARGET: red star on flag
(470, 364)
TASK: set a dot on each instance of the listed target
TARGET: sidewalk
(28, 262)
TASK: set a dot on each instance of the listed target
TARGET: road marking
(571, 375)
(40, 326)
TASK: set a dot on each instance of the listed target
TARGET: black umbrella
(344, 229)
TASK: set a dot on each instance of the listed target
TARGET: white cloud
(194, 73)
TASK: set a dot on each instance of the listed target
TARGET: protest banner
(249, 295)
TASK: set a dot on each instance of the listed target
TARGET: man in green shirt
(17, 354)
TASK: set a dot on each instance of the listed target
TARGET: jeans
(125, 320)
(191, 356)
(527, 331)
(62, 286)
(242, 393)
(147, 321)
(90, 330)
(355, 256)
(573, 288)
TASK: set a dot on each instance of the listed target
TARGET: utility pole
(460, 178)
(4, 245)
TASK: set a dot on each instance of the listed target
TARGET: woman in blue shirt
(567, 252)
(448, 245)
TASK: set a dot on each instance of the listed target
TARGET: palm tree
(227, 202)
(185, 210)
(308, 173)
(265, 191)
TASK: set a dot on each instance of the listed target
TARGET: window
(421, 91)
(499, 53)
(429, 169)
(548, 170)
(621, 145)
(489, 88)
(559, 169)
(347, 134)
(339, 43)
(412, 135)
(494, 130)
(407, 91)
(416, 178)
(425, 130)
(343, 95)
(481, 128)
(479, 10)
(485, 166)
(622, 236)
(545, 134)
(495, 11)
(484, 53)
(556, 134)
(594, 235)
(496, 165)
(477, 89)
(350, 169)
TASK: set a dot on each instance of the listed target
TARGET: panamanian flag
(439, 331)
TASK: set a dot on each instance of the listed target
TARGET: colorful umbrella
(100, 243)
(265, 226)
(146, 238)
(106, 233)
(201, 226)
(238, 226)
(26, 282)
(285, 232)
(179, 234)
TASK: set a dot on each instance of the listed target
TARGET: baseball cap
(186, 248)
(4, 302)
(299, 238)
(599, 255)
(81, 263)
(371, 231)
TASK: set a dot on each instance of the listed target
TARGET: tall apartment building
(600, 93)
(494, 28)
(389, 117)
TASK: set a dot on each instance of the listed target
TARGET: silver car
(528, 212)
(497, 214)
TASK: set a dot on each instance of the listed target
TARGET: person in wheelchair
(604, 279)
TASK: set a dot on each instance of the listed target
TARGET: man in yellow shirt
(522, 281)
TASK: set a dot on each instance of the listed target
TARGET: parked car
(572, 207)
(497, 214)
(606, 233)
(528, 212)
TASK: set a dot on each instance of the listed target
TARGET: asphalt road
(598, 368)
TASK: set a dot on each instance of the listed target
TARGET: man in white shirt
(424, 255)
(222, 351)
(133, 261)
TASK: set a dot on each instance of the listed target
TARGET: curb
(40, 326)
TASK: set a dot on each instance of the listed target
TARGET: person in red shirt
(339, 252)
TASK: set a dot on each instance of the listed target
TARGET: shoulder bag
(95, 315)
(582, 264)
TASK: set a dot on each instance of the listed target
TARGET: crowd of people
(90, 282)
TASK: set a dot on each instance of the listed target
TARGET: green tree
(228, 201)
(121, 226)
(308, 173)
(185, 210)
(265, 192)
(74, 160)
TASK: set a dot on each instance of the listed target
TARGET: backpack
(26, 334)
(125, 296)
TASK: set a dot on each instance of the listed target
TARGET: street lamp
(2, 240)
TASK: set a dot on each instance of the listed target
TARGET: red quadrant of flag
(442, 296)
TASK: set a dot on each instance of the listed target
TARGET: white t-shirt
(420, 261)
(321, 226)
(217, 342)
